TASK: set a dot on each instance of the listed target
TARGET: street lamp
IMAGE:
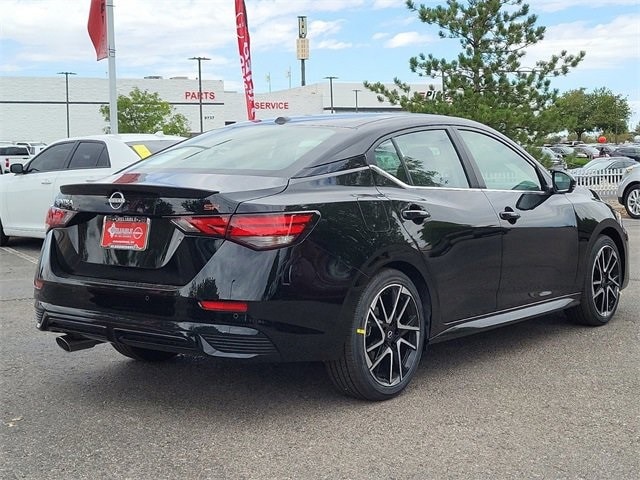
(331, 78)
(356, 90)
(66, 82)
(200, 59)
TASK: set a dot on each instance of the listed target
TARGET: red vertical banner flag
(244, 48)
(97, 27)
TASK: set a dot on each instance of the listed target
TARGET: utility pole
(66, 82)
(356, 90)
(331, 78)
(302, 47)
(200, 60)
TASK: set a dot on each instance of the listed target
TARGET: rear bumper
(212, 339)
(250, 338)
(272, 331)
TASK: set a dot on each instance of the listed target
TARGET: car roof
(124, 137)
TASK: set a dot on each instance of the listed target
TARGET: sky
(354, 40)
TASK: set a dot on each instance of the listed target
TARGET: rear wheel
(601, 290)
(385, 342)
(143, 354)
(632, 202)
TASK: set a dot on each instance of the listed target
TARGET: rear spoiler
(106, 189)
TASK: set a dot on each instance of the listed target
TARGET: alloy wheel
(633, 202)
(605, 281)
(392, 335)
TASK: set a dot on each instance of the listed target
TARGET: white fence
(604, 182)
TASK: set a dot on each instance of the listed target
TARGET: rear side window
(501, 168)
(53, 158)
(265, 147)
(86, 155)
(387, 159)
(431, 159)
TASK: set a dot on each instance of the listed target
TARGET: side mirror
(563, 182)
(16, 168)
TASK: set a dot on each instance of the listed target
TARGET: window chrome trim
(400, 183)
(327, 175)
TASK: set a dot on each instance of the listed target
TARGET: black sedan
(356, 240)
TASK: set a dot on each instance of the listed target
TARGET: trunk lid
(125, 230)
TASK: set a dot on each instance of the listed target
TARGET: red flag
(97, 27)
(244, 47)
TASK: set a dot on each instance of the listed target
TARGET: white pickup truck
(10, 154)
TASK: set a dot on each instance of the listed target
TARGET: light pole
(200, 60)
(66, 83)
(331, 78)
(356, 90)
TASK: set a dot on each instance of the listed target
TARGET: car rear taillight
(57, 217)
(257, 231)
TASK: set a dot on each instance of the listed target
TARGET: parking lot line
(24, 256)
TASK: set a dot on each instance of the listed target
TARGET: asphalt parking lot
(542, 399)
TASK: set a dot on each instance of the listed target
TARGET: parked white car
(29, 190)
(629, 192)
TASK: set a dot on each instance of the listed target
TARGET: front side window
(500, 166)
(431, 159)
(86, 155)
(53, 158)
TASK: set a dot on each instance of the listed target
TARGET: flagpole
(113, 92)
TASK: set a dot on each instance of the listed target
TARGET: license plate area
(125, 233)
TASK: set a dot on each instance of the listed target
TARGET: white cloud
(557, 5)
(388, 3)
(333, 45)
(607, 45)
(379, 36)
(320, 28)
(407, 38)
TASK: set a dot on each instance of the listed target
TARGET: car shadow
(198, 385)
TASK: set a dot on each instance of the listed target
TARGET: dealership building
(35, 108)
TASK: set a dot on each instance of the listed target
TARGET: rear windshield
(147, 147)
(14, 151)
(262, 148)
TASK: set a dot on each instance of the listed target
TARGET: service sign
(125, 233)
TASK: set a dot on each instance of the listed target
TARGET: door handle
(46, 182)
(509, 215)
(415, 214)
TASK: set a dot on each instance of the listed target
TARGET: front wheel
(632, 202)
(385, 342)
(601, 289)
(143, 354)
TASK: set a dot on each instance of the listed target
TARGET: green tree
(144, 112)
(575, 110)
(601, 111)
(610, 112)
(486, 81)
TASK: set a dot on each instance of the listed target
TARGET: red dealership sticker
(126, 233)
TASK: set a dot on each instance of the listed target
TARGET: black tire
(601, 288)
(143, 354)
(383, 348)
(632, 201)
(4, 240)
